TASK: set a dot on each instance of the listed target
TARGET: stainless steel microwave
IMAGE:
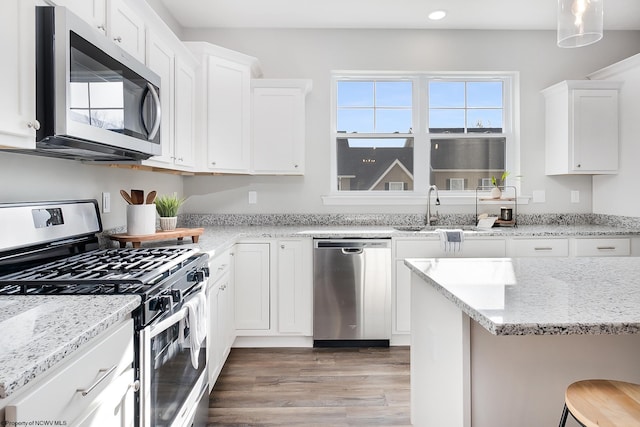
(94, 101)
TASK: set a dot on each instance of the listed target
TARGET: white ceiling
(462, 14)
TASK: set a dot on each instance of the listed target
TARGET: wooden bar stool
(602, 403)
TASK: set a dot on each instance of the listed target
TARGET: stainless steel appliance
(94, 101)
(351, 292)
(53, 250)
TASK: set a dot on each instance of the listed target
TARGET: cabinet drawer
(59, 397)
(219, 265)
(603, 247)
(429, 248)
(539, 247)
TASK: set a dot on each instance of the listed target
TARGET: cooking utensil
(137, 196)
(126, 197)
(151, 197)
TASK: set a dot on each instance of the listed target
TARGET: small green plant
(167, 205)
(504, 176)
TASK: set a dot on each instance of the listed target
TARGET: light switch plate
(253, 197)
(106, 202)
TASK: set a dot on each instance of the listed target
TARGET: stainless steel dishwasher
(351, 292)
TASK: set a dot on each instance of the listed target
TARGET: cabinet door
(295, 306)
(595, 130)
(92, 11)
(127, 29)
(252, 286)
(115, 405)
(185, 107)
(228, 114)
(18, 74)
(161, 60)
(278, 131)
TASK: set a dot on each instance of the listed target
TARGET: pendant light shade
(579, 22)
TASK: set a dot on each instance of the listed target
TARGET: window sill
(414, 199)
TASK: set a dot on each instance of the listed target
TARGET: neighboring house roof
(393, 165)
(369, 165)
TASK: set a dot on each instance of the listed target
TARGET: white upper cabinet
(185, 106)
(161, 60)
(93, 12)
(278, 126)
(126, 28)
(18, 75)
(581, 127)
(224, 87)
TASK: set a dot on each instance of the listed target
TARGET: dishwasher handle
(352, 251)
(352, 245)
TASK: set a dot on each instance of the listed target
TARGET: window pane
(390, 121)
(360, 120)
(378, 164)
(393, 94)
(484, 94)
(446, 121)
(484, 121)
(355, 94)
(466, 163)
(446, 94)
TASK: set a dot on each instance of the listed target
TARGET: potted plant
(496, 193)
(167, 207)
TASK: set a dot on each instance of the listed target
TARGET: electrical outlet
(106, 202)
(575, 196)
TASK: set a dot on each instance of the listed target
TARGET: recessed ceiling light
(437, 15)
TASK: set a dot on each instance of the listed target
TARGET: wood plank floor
(313, 387)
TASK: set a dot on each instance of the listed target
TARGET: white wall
(32, 178)
(620, 194)
(314, 53)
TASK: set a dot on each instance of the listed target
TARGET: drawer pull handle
(104, 376)
(543, 249)
(606, 248)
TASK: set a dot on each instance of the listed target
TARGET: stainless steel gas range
(53, 249)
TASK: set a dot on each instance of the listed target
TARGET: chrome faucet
(431, 220)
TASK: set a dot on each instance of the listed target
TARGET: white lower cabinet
(251, 277)
(548, 247)
(427, 248)
(221, 332)
(602, 247)
(273, 292)
(96, 384)
(294, 278)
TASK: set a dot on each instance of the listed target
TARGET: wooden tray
(179, 233)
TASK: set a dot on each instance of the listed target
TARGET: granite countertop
(540, 296)
(40, 331)
(219, 238)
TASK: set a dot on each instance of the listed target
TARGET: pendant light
(579, 22)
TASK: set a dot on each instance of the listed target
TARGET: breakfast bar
(495, 342)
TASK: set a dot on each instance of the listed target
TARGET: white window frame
(422, 138)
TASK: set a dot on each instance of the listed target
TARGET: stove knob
(198, 276)
(162, 303)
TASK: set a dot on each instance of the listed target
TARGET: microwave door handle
(156, 101)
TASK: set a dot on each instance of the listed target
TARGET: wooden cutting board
(178, 233)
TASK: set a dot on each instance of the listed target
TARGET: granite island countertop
(540, 296)
(37, 332)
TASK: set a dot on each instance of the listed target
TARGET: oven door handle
(163, 325)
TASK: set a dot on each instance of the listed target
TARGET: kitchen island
(495, 342)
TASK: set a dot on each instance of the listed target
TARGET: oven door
(171, 387)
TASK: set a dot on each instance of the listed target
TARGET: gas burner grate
(128, 270)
